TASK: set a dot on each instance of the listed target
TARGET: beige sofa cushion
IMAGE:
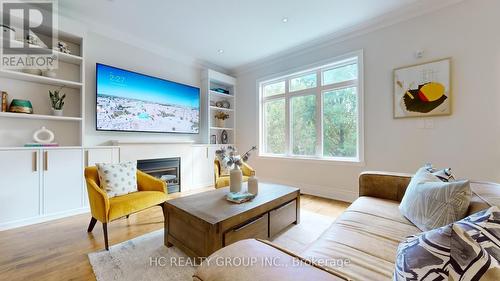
(368, 233)
(258, 256)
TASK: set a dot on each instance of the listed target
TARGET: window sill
(313, 160)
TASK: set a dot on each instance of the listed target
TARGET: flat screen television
(132, 102)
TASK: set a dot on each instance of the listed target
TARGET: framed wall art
(423, 90)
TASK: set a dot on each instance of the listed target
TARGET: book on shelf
(34, 144)
(4, 101)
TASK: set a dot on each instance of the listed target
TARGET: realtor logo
(29, 35)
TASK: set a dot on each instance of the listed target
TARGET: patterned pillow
(118, 179)
(466, 250)
(431, 203)
(443, 175)
(225, 168)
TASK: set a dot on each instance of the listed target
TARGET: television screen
(133, 102)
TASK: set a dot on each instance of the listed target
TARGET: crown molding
(419, 8)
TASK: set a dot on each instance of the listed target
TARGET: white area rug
(146, 258)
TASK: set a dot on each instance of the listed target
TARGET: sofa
(365, 237)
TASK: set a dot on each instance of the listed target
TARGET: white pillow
(430, 203)
(118, 179)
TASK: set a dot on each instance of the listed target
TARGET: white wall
(467, 141)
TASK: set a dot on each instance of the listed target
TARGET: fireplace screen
(166, 169)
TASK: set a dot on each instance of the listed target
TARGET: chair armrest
(247, 170)
(98, 201)
(147, 182)
(384, 185)
(216, 170)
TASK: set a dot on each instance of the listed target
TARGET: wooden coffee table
(202, 223)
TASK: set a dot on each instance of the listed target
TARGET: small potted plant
(220, 117)
(57, 102)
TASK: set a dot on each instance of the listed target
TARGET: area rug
(146, 258)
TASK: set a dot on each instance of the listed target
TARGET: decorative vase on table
(235, 179)
(253, 184)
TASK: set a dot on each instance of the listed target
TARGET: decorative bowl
(21, 106)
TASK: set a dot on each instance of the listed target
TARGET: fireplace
(166, 169)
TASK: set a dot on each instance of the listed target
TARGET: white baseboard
(341, 194)
(43, 218)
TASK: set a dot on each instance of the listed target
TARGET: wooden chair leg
(91, 224)
(105, 230)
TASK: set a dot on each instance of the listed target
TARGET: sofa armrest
(384, 185)
(147, 182)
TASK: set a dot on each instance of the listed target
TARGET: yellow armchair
(222, 181)
(151, 192)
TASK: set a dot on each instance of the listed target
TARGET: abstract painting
(423, 90)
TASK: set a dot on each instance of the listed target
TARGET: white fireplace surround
(194, 158)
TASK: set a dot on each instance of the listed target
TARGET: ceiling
(246, 30)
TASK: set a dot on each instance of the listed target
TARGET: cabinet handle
(207, 152)
(46, 161)
(35, 161)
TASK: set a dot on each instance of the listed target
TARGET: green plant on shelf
(221, 115)
(56, 99)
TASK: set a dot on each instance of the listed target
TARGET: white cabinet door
(19, 185)
(211, 159)
(62, 180)
(201, 172)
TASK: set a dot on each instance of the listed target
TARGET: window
(314, 114)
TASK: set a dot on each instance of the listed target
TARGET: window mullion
(319, 116)
(288, 141)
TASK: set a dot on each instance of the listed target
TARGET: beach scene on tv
(128, 101)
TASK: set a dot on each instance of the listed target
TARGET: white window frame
(318, 91)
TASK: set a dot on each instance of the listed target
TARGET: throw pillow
(118, 179)
(431, 203)
(444, 174)
(225, 168)
(465, 250)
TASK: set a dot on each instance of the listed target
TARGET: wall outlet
(420, 123)
(429, 124)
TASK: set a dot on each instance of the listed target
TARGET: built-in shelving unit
(38, 116)
(16, 129)
(212, 101)
(221, 108)
(39, 79)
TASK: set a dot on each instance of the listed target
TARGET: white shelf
(38, 116)
(69, 58)
(73, 59)
(221, 94)
(221, 128)
(39, 79)
(221, 108)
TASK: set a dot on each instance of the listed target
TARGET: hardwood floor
(57, 250)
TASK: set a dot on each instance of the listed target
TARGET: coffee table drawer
(282, 217)
(257, 228)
